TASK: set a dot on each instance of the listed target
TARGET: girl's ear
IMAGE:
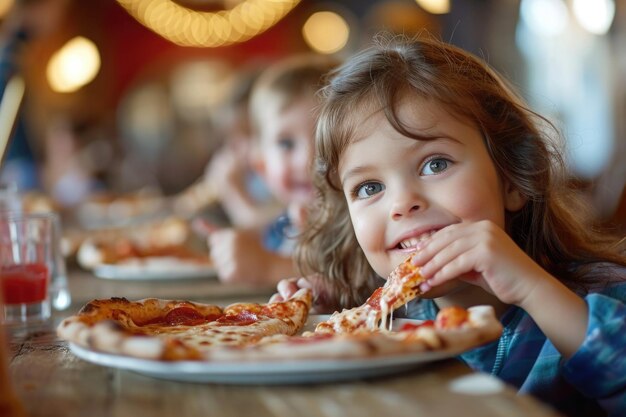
(513, 199)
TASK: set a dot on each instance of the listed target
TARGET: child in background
(241, 192)
(424, 151)
(282, 110)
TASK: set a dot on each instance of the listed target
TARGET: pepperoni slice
(185, 316)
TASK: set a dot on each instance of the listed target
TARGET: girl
(423, 148)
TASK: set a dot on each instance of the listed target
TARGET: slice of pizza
(401, 287)
(180, 330)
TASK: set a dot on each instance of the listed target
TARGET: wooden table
(52, 381)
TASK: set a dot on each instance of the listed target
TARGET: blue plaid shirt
(590, 383)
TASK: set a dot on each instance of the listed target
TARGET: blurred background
(125, 95)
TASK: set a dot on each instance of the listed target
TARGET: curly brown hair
(552, 227)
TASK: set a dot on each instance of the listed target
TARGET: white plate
(148, 269)
(252, 373)
(268, 372)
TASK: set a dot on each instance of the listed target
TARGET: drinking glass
(11, 202)
(27, 259)
(59, 291)
(9, 197)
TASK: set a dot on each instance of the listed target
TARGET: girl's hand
(482, 254)
(287, 288)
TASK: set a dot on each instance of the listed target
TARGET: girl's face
(401, 190)
(287, 151)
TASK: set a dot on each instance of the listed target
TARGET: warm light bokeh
(188, 27)
(5, 6)
(435, 6)
(74, 65)
(326, 32)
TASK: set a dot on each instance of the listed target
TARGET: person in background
(283, 104)
(240, 191)
(425, 152)
(25, 21)
(67, 174)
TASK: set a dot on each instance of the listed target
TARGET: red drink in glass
(27, 244)
(24, 283)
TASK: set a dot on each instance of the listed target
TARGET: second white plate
(147, 269)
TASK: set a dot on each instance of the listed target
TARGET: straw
(9, 107)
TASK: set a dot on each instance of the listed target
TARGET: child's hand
(287, 288)
(225, 172)
(482, 254)
(238, 255)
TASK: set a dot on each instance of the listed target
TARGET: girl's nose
(406, 204)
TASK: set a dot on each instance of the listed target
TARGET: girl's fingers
(451, 262)
(287, 287)
(304, 283)
(427, 249)
(452, 268)
(276, 298)
(440, 252)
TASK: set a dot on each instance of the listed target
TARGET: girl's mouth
(413, 242)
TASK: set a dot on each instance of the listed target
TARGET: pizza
(94, 253)
(401, 287)
(183, 330)
(168, 239)
(180, 330)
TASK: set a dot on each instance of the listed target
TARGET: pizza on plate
(182, 330)
(164, 244)
(94, 253)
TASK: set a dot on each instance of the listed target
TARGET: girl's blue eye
(435, 166)
(369, 189)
